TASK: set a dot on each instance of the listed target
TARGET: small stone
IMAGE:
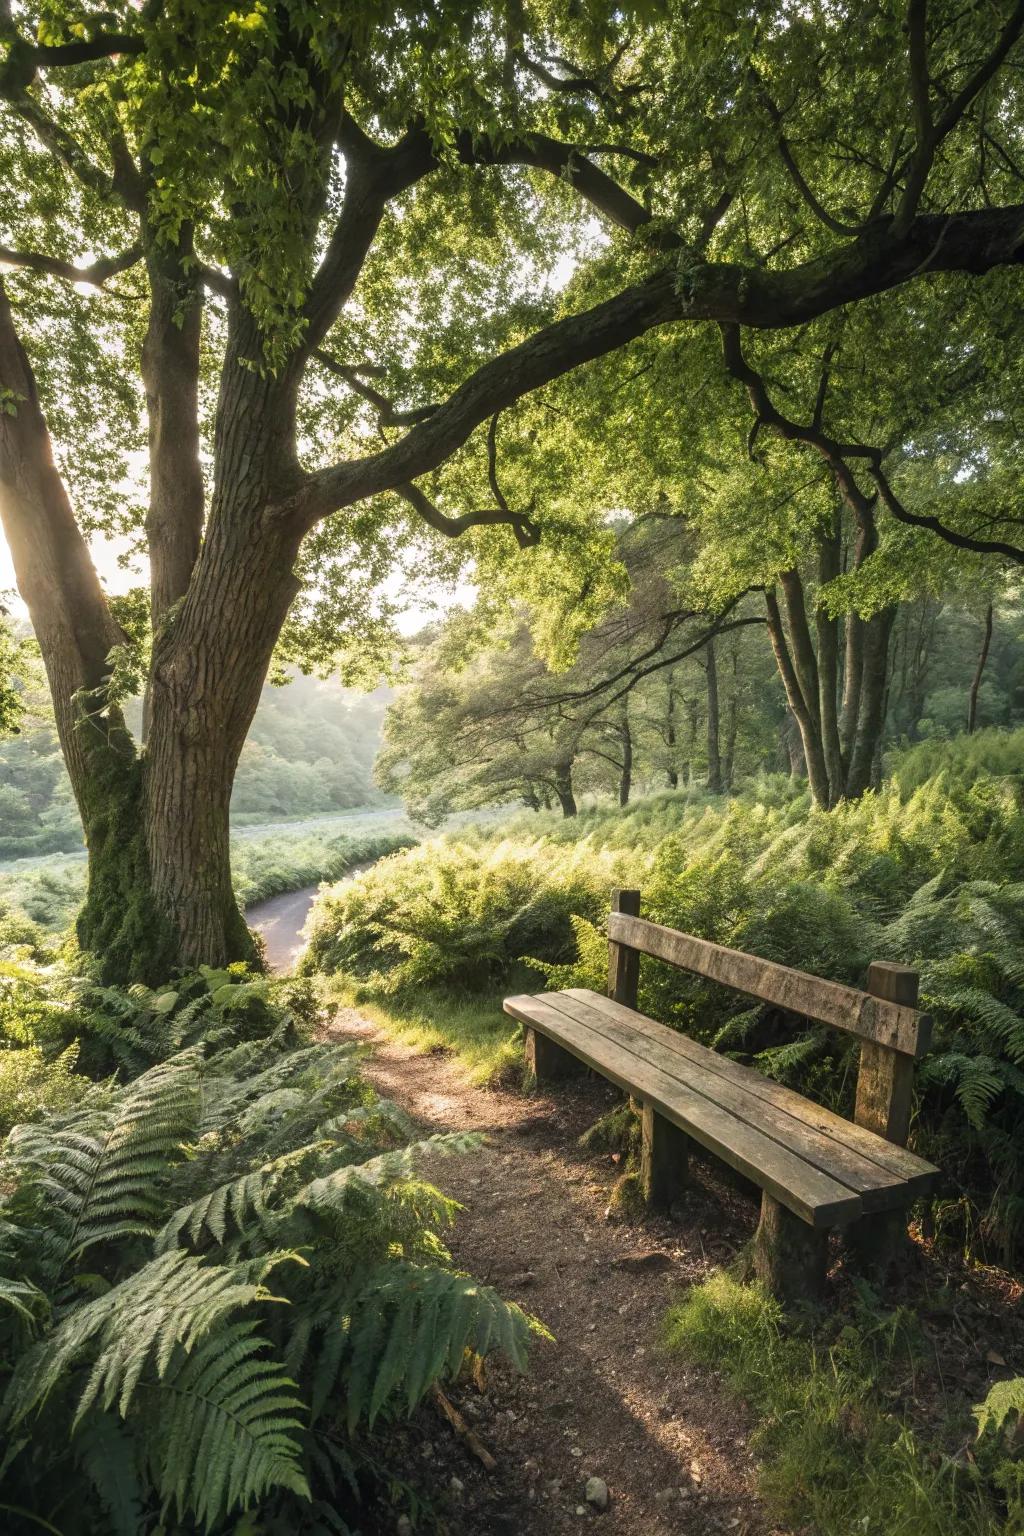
(575, 1450)
(404, 1526)
(457, 1486)
(581, 1509)
(596, 1493)
(524, 1278)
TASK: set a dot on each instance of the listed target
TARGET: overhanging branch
(96, 273)
(526, 532)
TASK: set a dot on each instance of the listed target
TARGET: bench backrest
(894, 1033)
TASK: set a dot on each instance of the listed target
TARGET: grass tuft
(836, 1455)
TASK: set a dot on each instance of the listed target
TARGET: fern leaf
(401, 1320)
(1004, 1399)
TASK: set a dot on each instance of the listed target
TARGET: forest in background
(310, 752)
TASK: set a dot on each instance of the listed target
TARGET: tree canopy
(383, 285)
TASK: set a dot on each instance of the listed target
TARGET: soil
(602, 1399)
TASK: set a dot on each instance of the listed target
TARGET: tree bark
(672, 772)
(972, 703)
(626, 771)
(170, 374)
(714, 753)
(564, 789)
(810, 738)
(76, 633)
(828, 670)
(210, 662)
(871, 715)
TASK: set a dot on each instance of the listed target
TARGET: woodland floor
(602, 1399)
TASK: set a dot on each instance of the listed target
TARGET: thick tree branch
(892, 503)
(930, 132)
(96, 273)
(874, 263)
(374, 176)
(836, 454)
(25, 60)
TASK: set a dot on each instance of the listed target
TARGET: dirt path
(603, 1400)
(280, 920)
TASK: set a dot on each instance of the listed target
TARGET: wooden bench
(816, 1170)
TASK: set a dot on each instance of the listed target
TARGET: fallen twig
(462, 1429)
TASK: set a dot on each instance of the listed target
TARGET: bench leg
(789, 1255)
(548, 1062)
(664, 1157)
(879, 1244)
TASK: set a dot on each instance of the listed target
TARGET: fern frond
(1004, 1399)
(409, 1324)
(96, 1171)
(222, 1428)
(175, 1300)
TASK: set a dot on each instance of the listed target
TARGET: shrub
(216, 1278)
(451, 911)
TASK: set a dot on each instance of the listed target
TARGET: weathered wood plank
(623, 962)
(812, 1195)
(885, 1082)
(790, 1258)
(877, 1187)
(829, 1002)
(918, 1175)
(885, 1091)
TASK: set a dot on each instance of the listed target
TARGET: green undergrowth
(837, 1453)
(475, 1028)
(223, 1275)
(928, 871)
(50, 893)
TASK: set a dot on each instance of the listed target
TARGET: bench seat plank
(814, 1196)
(878, 1186)
(904, 1167)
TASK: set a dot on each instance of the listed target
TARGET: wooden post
(548, 1062)
(885, 1082)
(790, 1257)
(885, 1085)
(664, 1159)
(623, 962)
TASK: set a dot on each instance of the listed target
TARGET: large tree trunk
(871, 714)
(732, 720)
(828, 670)
(76, 633)
(672, 772)
(564, 790)
(807, 723)
(714, 753)
(210, 663)
(159, 879)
